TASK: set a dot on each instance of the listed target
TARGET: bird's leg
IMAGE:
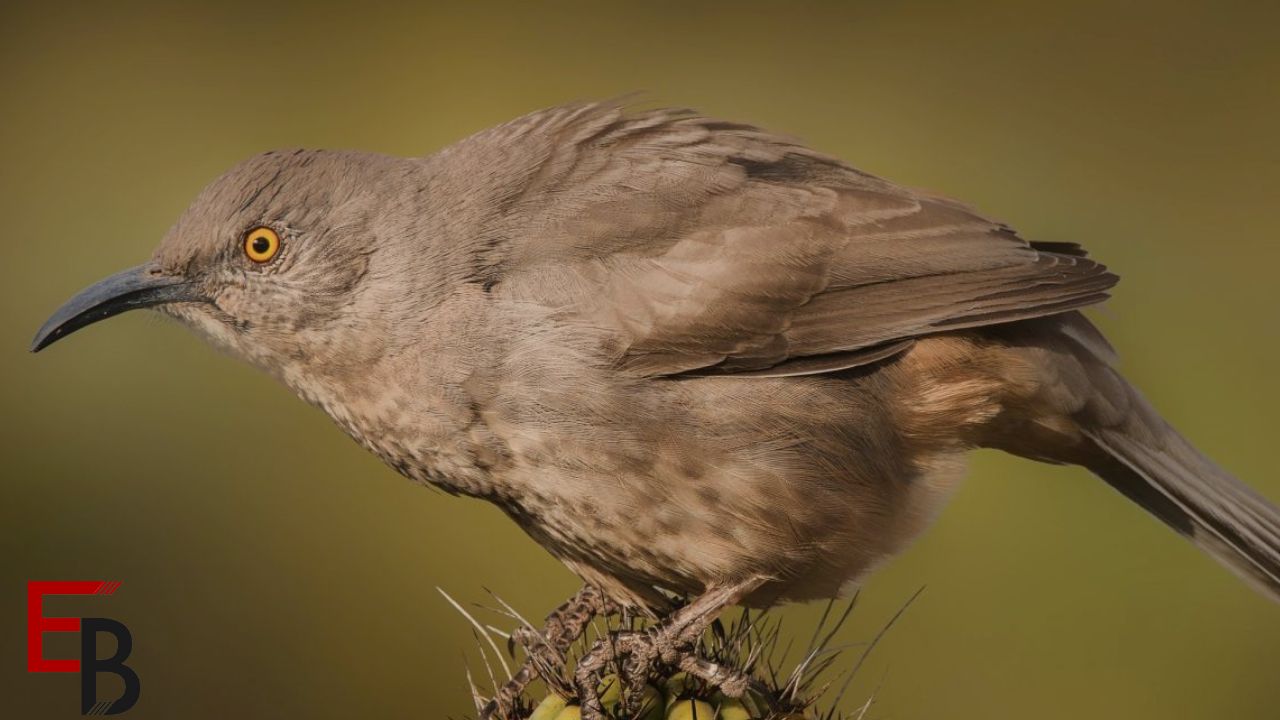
(563, 627)
(629, 644)
(634, 673)
(674, 642)
(545, 650)
(683, 628)
(729, 680)
(587, 678)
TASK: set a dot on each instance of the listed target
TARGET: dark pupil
(261, 245)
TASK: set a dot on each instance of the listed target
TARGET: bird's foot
(545, 649)
(674, 642)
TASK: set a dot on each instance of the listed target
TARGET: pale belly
(808, 482)
(811, 494)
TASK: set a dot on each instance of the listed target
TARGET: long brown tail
(1152, 464)
(1102, 422)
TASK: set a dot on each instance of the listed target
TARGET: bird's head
(271, 261)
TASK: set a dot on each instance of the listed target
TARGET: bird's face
(269, 261)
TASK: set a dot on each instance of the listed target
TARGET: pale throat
(424, 432)
(429, 437)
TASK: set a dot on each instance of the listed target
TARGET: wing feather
(706, 247)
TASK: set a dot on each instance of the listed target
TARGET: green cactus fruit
(652, 706)
(610, 690)
(570, 712)
(690, 709)
(732, 709)
(756, 705)
(678, 686)
(549, 708)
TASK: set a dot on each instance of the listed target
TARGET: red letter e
(37, 623)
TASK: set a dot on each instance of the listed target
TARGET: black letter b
(90, 666)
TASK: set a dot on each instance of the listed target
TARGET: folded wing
(708, 247)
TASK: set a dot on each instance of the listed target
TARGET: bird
(687, 356)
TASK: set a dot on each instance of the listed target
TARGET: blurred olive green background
(273, 569)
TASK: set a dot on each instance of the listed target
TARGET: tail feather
(1082, 411)
(1159, 469)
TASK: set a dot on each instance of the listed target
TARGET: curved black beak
(139, 287)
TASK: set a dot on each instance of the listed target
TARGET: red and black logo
(89, 664)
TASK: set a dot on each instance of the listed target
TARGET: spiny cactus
(750, 642)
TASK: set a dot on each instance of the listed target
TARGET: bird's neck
(418, 407)
(435, 440)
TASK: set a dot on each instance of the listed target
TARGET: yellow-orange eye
(261, 244)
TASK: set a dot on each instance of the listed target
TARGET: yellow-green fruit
(549, 708)
(610, 690)
(570, 712)
(690, 710)
(731, 709)
(755, 705)
(678, 686)
(652, 706)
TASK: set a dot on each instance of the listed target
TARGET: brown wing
(711, 247)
